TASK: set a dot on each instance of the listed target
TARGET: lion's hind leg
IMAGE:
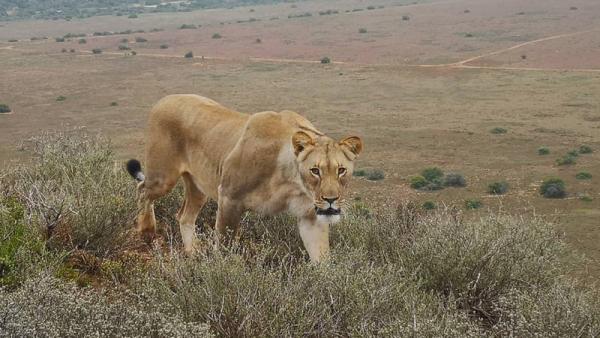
(193, 203)
(149, 190)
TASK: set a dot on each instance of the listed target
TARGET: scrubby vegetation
(140, 39)
(473, 204)
(553, 187)
(97, 51)
(325, 60)
(585, 149)
(392, 272)
(4, 108)
(362, 30)
(433, 178)
(583, 175)
(568, 159)
(498, 188)
(499, 130)
(216, 36)
(372, 174)
(189, 55)
(543, 151)
(188, 26)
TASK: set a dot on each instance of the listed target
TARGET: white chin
(329, 219)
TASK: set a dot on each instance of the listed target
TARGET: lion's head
(326, 167)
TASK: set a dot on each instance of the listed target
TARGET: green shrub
(375, 175)
(60, 39)
(553, 188)
(585, 198)
(164, 46)
(573, 153)
(187, 26)
(75, 192)
(48, 307)
(471, 204)
(418, 182)
(498, 188)
(566, 160)
(134, 53)
(82, 41)
(124, 40)
(359, 173)
(585, 149)
(583, 175)
(216, 36)
(432, 173)
(123, 47)
(499, 130)
(114, 104)
(97, 51)
(60, 98)
(13, 40)
(132, 16)
(455, 180)
(4, 108)
(140, 39)
(189, 55)
(543, 151)
(362, 30)
(429, 205)
(325, 60)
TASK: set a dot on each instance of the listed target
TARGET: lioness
(267, 162)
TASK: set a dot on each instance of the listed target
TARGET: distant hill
(68, 9)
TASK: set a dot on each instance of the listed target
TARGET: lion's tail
(134, 168)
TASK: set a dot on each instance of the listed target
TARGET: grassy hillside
(69, 264)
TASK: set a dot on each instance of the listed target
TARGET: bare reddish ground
(435, 34)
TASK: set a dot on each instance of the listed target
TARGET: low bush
(375, 175)
(64, 50)
(325, 60)
(499, 130)
(60, 39)
(189, 55)
(82, 41)
(114, 104)
(432, 173)
(61, 98)
(50, 307)
(123, 47)
(132, 16)
(498, 188)
(140, 39)
(4, 108)
(362, 30)
(258, 40)
(97, 51)
(583, 175)
(585, 149)
(429, 205)
(573, 153)
(216, 36)
(164, 46)
(359, 173)
(13, 40)
(543, 151)
(566, 160)
(188, 26)
(405, 17)
(471, 204)
(553, 188)
(76, 194)
(418, 182)
(455, 180)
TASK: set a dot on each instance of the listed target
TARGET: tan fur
(260, 162)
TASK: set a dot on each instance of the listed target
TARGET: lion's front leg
(315, 236)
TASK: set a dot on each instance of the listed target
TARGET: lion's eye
(315, 171)
(341, 171)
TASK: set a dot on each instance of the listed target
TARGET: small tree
(553, 188)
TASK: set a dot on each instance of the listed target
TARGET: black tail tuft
(134, 168)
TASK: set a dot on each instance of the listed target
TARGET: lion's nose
(330, 199)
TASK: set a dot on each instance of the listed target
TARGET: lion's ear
(352, 145)
(301, 140)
